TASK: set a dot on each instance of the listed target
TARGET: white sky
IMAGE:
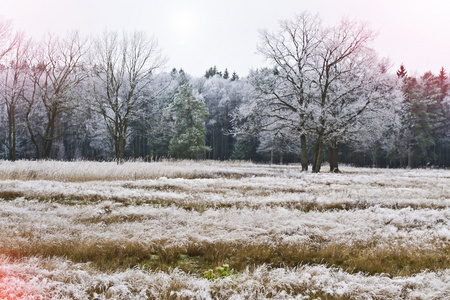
(198, 34)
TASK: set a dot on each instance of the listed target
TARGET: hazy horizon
(200, 34)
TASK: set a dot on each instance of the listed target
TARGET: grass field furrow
(218, 230)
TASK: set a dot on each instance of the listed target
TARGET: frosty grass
(174, 205)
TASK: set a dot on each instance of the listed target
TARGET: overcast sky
(198, 34)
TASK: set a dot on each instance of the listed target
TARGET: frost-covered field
(78, 230)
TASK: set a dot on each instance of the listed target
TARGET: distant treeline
(70, 97)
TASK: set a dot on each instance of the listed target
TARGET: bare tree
(325, 78)
(342, 84)
(7, 40)
(122, 67)
(292, 50)
(12, 83)
(55, 70)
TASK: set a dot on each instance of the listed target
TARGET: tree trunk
(120, 154)
(334, 157)
(374, 158)
(47, 148)
(213, 143)
(32, 137)
(11, 135)
(12, 150)
(319, 158)
(318, 154)
(410, 156)
(47, 139)
(271, 152)
(304, 153)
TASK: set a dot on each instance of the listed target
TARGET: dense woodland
(326, 97)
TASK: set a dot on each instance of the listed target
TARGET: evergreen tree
(416, 122)
(234, 76)
(439, 87)
(188, 118)
(226, 75)
(211, 72)
(401, 73)
(245, 150)
(443, 84)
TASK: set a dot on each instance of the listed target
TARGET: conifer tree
(188, 118)
(416, 121)
(401, 73)
(226, 75)
(443, 84)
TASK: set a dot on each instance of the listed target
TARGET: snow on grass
(309, 191)
(97, 230)
(89, 171)
(51, 222)
(34, 278)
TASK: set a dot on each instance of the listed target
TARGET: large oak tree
(324, 79)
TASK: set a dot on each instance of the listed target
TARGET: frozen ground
(148, 230)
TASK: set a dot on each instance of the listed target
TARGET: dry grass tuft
(199, 256)
(10, 195)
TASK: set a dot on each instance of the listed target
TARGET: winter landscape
(221, 230)
(320, 172)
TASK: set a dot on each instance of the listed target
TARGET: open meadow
(221, 230)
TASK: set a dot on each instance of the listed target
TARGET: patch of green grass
(221, 272)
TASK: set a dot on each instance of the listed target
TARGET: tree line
(326, 97)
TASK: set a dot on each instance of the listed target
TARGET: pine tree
(188, 118)
(211, 72)
(226, 75)
(234, 76)
(401, 73)
(416, 120)
(436, 111)
(443, 84)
